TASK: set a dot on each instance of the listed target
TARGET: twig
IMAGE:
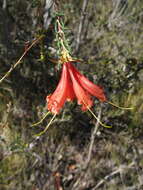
(118, 9)
(4, 4)
(93, 134)
(82, 19)
(93, 137)
(120, 170)
(19, 61)
(48, 10)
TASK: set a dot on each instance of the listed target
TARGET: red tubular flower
(87, 84)
(70, 91)
(56, 101)
(73, 85)
(82, 95)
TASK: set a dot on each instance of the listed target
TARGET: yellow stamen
(107, 126)
(35, 124)
(102, 124)
(119, 106)
(46, 128)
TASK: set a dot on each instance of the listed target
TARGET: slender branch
(93, 137)
(4, 4)
(120, 170)
(48, 10)
(19, 61)
(82, 19)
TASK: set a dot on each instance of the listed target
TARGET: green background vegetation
(111, 47)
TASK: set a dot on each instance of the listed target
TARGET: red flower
(87, 84)
(83, 97)
(73, 85)
(58, 98)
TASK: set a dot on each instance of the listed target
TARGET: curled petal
(70, 92)
(56, 100)
(87, 84)
(82, 95)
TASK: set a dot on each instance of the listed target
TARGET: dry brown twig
(89, 155)
(119, 171)
(93, 134)
(81, 24)
(20, 59)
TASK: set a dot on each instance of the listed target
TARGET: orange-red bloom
(73, 85)
(58, 98)
(87, 84)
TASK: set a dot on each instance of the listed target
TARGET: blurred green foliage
(111, 48)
